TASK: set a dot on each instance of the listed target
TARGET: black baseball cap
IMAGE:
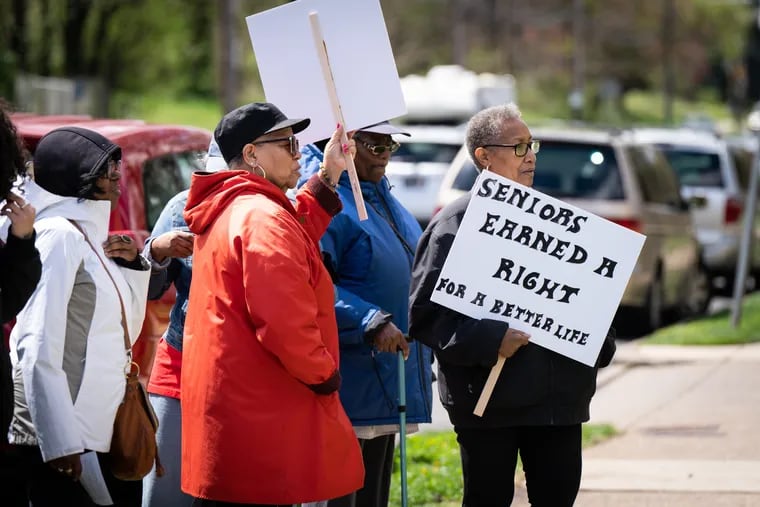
(251, 121)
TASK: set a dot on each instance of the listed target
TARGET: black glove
(329, 386)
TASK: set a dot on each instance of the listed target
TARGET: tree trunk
(228, 69)
(18, 32)
(668, 37)
(459, 32)
(73, 53)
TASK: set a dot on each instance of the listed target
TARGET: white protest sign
(360, 55)
(547, 268)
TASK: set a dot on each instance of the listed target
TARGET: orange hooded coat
(260, 338)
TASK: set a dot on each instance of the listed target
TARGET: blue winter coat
(372, 268)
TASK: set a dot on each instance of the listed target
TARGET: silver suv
(416, 170)
(717, 191)
(619, 177)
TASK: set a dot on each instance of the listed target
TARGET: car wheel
(653, 310)
(700, 293)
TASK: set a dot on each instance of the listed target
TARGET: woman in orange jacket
(262, 422)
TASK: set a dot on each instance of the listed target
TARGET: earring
(263, 172)
(487, 167)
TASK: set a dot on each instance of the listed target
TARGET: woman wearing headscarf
(68, 343)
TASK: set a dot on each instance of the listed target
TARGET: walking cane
(402, 423)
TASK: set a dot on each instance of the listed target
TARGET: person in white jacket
(67, 346)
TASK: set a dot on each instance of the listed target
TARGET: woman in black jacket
(19, 260)
(541, 398)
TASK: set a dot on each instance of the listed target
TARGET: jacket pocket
(524, 381)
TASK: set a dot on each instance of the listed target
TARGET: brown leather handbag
(133, 444)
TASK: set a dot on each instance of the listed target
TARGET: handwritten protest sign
(360, 55)
(547, 268)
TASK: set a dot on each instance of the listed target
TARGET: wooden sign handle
(485, 395)
(319, 43)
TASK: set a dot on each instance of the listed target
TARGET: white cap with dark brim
(384, 128)
(214, 162)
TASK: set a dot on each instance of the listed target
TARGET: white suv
(618, 177)
(416, 170)
(711, 183)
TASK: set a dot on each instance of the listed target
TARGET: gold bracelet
(326, 177)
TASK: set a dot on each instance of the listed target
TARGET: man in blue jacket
(371, 263)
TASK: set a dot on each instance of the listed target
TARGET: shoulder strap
(389, 221)
(127, 344)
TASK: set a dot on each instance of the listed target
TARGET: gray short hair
(486, 127)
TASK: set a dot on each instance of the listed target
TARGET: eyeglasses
(114, 166)
(379, 149)
(521, 149)
(293, 145)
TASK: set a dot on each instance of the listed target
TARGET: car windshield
(695, 168)
(580, 170)
(426, 152)
(563, 169)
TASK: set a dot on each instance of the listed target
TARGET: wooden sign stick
(319, 43)
(485, 395)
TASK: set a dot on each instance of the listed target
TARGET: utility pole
(668, 72)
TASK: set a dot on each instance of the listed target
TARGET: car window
(466, 177)
(166, 176)
(694, 167)
(426, 152)
(580, 170)
(657, 179)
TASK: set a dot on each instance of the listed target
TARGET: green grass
(434, 470)
(715, 329)
(648, 107)
(164, 108)
(538, 107)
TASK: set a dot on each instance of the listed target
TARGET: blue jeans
(165, 490)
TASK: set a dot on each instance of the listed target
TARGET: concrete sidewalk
(689, 420)
(689, 423)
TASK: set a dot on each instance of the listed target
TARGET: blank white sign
(361, 59)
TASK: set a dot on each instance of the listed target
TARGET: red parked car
(157, 161)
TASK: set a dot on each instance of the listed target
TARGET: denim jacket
(176, 271)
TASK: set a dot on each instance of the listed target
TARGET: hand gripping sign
(547, 268)
(331, 61)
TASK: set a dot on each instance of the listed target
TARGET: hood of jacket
(93, 215)
(211, 193)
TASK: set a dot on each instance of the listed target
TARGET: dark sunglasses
(379, 149)
(293, 145)
(521, 149)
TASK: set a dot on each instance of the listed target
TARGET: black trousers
(377, 454)
(44, 486)
(551, 458)
(202, 502)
